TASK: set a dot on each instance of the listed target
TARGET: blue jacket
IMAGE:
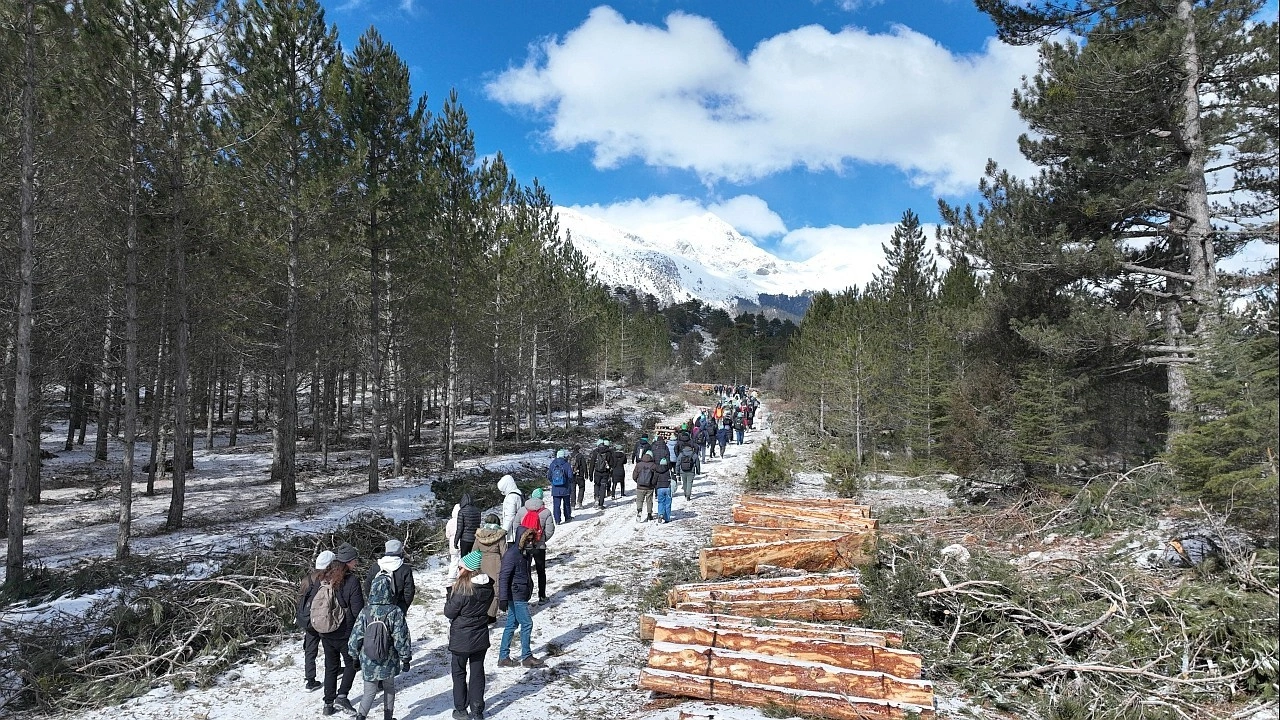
(515, 582)
(383, 607)
(560, 490)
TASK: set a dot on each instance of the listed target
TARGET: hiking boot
(386, 714)
(506, 662)
(342, 702)
(314, 685)
(532, 662)
(459, 715)
(327, 709)
(542, 600)
(476, 716)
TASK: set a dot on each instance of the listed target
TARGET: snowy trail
(598, 565)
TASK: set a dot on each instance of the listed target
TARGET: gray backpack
(377, 639)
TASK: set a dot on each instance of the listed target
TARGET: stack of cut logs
(746, 641)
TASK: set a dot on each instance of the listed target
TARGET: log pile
(817, 534)
(757, 641)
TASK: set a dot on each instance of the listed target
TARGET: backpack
(326, 613)
(686, 462)
(532, 524)
(377, 640)
(645, 478)
(602, 462)
(558, 476)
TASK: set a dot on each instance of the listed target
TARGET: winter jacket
(515, 581)
(599, 451)
(618, 466)
(512, 501)
(469, 616)
(350, 599)
(468, 521)
(491, 541)
(673, 449)
(723, 433)
(382, 607)
(548, 523)
(401, 572)
(662, 476)
(567, 469)
(303, 616)
(451, 527)
(692, 460)
(642, 467)
(581, 470)
(641, 445)
(660, 450)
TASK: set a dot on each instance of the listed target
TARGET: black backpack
(602, 461)
(377, 639)
(686, 462)
(645, 478)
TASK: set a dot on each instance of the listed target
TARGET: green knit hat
(537, 493)
(471, 560)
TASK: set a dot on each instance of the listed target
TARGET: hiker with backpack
(515, 588)
(617, 472)
(537, 519)
(512, 502)
(380, 638)
(467, 607)
(601, 474)
(468, 523)
(643, 475)
(491, 541)
(392, 565)
(310, 638)
(687, 464)
(331, 607)
(722, 436)
(739, 426)
(662, 486)
(581, 474)
(642, 446)
(560, 475)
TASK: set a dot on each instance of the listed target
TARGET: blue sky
(809, 125)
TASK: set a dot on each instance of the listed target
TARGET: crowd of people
(494, 560)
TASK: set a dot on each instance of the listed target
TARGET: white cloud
(681, 96)
(749, 214)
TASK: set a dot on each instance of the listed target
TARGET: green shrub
(769, 470)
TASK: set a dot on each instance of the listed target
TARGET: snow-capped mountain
(699, 257)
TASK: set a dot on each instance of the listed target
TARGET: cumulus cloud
(681, 96)
(749, 214)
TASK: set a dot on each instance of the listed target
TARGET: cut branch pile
(804, 534)
(744, 641)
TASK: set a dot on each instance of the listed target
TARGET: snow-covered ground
(599, 564)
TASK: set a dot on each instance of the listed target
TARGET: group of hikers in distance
(510, 546)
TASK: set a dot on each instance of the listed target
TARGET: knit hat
(471, 560)
(393, 547)
(324, 559)
(663, 461)
(648, 453)
(345, 553)
(537, 492)
(560, 453)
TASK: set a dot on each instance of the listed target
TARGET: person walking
(643, 475)
(310, 638)
(687, 464)
(515, 588)
(338, 588)
(642, 446)
(468, 523)
(618, 472)
(451, 537)
(512, 502)
(581, 474)
(537, 516)
(722, 437)
(601, 473)
(491, 541)
(739, 426)
(392, 565)
(662, 485)
(467, 607)
(388, 650)
(560, 475)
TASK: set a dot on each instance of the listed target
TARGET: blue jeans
(562, 507)
(517, 612)
(740, 433)
(664, 504)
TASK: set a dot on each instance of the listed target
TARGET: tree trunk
(105, 377)
(842, 553)
(181, 341)
(700, 628)
(747, 535)
(809, 704)
(14, 571)
(284, 470)
(130, 344)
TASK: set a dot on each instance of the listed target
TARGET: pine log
(829, 591)
(746, 535)
(810, 610)
(807, 578)
(798, 519)
(841, 553)
(787, 672)
(848, 655)
(804, 503)
(775, 626)
(796, 702)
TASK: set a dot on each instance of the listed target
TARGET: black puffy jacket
(468, 521)
(350, 598)
(469, 617)
(515, 582)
